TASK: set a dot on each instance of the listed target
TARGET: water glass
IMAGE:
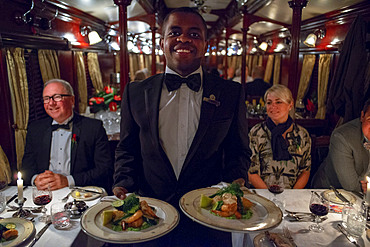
(345, 211)
(356, 220)
(60, 216)
(2, 203)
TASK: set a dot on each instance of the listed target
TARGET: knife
(339, 195)
(11, 199)
(39, 234)
(351, 239)
(91, 191)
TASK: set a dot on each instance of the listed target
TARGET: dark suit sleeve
(128, 155)
(237, 152)
(100, 164)
(29, 166)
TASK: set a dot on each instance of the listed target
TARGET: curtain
(94, 71)
(277, 65)
(268, 70)
(49, 64)
(117, 68)
(323, 78)
(81, 82)
(250, 64)
(260, 60)
(307, 67)
(254, 62)
(5, 174)
(18, 85)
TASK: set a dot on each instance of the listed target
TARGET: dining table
(297, 200)
(294, 200)
(72, 236)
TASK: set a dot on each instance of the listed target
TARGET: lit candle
(368, 190)
(20, 187)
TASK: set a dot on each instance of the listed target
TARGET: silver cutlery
(64, 199)
(350, 238)
(39, 234)
(85, 190)
(339, 195)
(288, 235)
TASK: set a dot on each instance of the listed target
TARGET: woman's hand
(257, 181)
(364, 186)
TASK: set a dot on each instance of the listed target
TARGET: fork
(287, 234)
(64, 199)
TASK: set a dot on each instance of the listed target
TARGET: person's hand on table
(120, 192)
(50, 179)
(364, 185)
(239, 181)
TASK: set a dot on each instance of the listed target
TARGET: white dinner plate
(266, 214)
(91, 223)
(82, 196)
(330, 196)
(25, 229)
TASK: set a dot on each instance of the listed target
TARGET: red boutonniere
(74, 140)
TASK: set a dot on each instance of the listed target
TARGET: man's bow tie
(174, 82)
(61, 126)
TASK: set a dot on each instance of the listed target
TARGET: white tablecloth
(52, 237)
(298, 200)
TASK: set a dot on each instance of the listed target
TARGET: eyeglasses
(55, 97)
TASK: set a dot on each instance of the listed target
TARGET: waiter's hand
(120, 192)
(364, 186)
(239, 181)
(50, 179)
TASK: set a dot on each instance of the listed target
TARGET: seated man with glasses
(66, 149)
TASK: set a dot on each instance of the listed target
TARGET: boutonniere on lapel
(212, 100)
(74, 140)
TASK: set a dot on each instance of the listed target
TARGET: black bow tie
(61, 126)
(174, 82)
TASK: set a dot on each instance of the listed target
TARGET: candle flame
(368, 179)
(19, 175)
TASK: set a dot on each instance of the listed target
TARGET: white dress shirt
(60, 152)
(179, 113)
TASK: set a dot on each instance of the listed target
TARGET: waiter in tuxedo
(66, 149)
(184, 129)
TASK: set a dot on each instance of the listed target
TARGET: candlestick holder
(21, 213)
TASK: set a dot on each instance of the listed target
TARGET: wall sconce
(310, 41)
(92, 35)
(263, 46)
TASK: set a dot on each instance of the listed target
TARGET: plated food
(264, 213)
(228, 202)
(130, 214)
(87, 193)
(25, 229)
(330, 195)
(270, 239)
(92, 223)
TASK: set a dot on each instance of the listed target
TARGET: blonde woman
(278, 144)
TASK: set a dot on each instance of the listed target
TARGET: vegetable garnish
(229, 203)
(8, 232)
(130, 214)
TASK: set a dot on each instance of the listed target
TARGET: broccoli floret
(131, 204)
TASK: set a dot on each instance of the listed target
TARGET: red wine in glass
(319, 209)
(276, 189)
(42, 200)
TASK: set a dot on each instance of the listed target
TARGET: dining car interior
(318, 49)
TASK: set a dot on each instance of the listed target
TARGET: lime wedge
(107, 216)
(205, 201)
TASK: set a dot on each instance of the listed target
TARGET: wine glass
(275, 184)
(320, 207)
(41, 198)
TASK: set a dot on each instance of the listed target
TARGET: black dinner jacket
(219, 152)
(91, 161)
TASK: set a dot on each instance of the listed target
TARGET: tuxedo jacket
(91, 160)
(219, 151)
(347, 161)
(257, 87)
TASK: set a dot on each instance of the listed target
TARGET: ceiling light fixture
(93, 36)
(310, 41)
(263, 46)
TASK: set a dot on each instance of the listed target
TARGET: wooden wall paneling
(7, 140)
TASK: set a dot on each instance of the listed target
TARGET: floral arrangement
(74, 140)
(104, 100)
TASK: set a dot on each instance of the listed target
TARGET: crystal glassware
(320, 207)
(275, 185)
(42, 198)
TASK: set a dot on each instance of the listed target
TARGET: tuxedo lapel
(76, 133)
(206, 114)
